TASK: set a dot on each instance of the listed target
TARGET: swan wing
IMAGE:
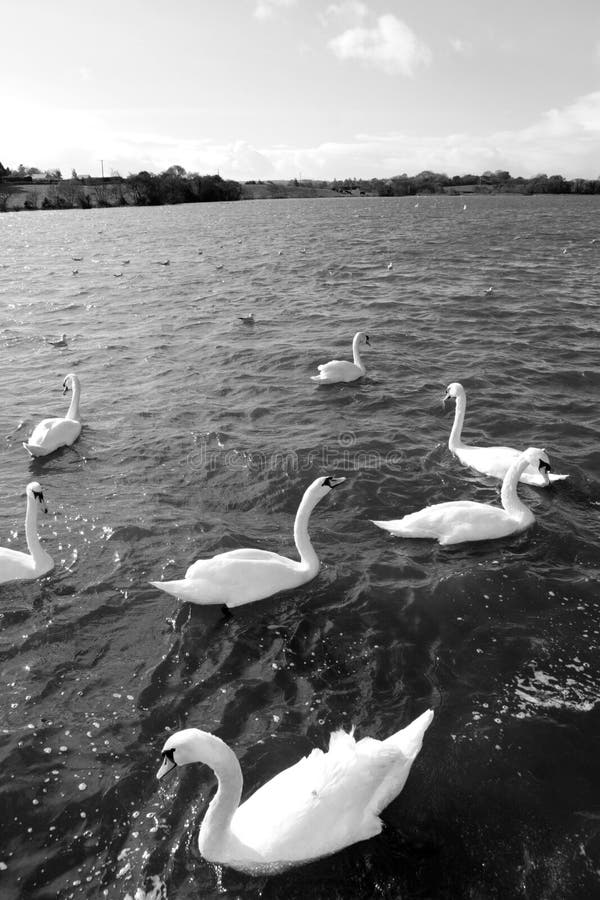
(329, 800)
(236, 577)
(454, 522)
(53, 433)
(14, 564)
(338, 370)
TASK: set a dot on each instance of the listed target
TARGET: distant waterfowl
(61, 342)
(242, 576)
(325, 802)
(390, 265)
(164, 262)
(340, 369)
(50, 434)
(247, 320)
(493, 461)
(16, 565)
(465, 520)
(489, 290)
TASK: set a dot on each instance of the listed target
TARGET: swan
(466, 520)
(494, 461)
(340, 369)
(326, 801)
(50, 434)
(245, 575)
(14, 564)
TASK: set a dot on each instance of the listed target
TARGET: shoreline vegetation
(31, 189)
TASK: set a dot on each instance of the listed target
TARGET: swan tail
(191, 591)
(410, 739)
(35, 449)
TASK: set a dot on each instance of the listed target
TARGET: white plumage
(326, 801)
(16, 565)
(50, 434)
(245, 575)
(340, 369)
(465, 520)
(494, 461)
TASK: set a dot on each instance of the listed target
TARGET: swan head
(190, 746)
(538, 459)
(361, 338)
(69, 382)
(34, 491)
(322, 486)
(453, 391)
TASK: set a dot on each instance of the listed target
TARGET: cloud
(351, 12)
(264, 9)
(390, 45)
(560, 141)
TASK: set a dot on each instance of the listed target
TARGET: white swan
(341, 369)
(245, 575)
(465, 520)
(494, 461)
(323, 803)
(14, 564)
(50, 434)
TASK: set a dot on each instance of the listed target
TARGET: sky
(281, 89)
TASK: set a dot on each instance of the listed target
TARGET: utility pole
(102, 166)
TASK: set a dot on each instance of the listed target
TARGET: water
(201, 434)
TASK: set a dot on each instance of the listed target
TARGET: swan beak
(167, 766)
(333, 482)
(367, 341)
(544, 466)
(65, 388)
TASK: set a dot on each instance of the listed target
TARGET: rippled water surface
(201, 434)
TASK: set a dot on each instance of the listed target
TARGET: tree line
(175, 185)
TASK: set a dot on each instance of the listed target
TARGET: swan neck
(356, 353)
(216, 825)
(308, 558)
(73, 412)
(510, 499)
(455, 440)
(38, 554)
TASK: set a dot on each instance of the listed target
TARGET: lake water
(201, 434)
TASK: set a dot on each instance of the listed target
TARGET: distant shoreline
(29, 193)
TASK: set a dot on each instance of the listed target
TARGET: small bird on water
(247, 320)
(61, 342)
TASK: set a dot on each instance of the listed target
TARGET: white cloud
(350, 12)
(561, 141)
(390, 45)
(264, 9)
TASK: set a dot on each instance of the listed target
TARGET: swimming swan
(466, 520)
(50, 434)
(341, 369)
(14, 564)
(245, 575)
(494, 461)
(323, 803)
